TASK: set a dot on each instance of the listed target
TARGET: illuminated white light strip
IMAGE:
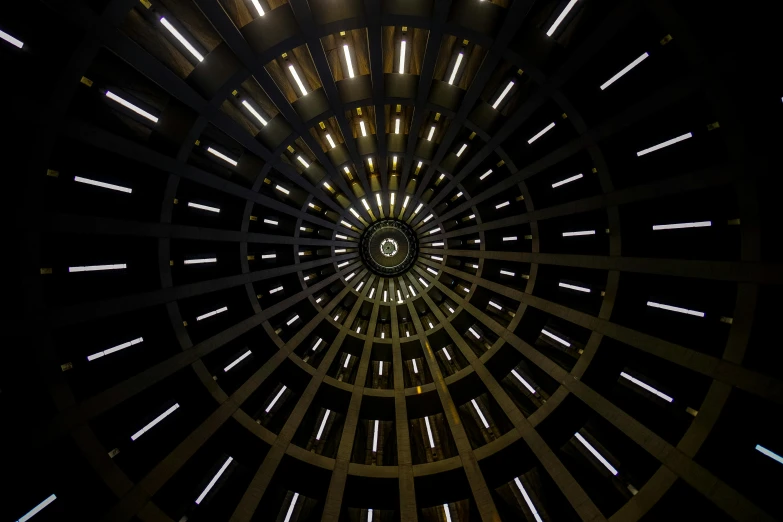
(382, 336)
(353, 211)
(399, 296)
(397, 126)
(415, 368)
(279, 288)
(369, 162)
(432, 270)
(429, 432)
(556, 338)
(117, 348)
(501, 205)
(434, 230)
(524, 382)
(291, 507)
(427, 218)
(214, 480)
(405, 203)
(340, 251)
(506, 272)
(18, 44)
(101, 184)
(466, 289)
(375, 438)
(510, 238)
(134, 108)
(346, 224)
(595, 453)
(411, 290)
(323, 423)
(343, 264)
(646, 387)
(391, 198)
(301, 160)
(472, 216)
(97, 268)
(625, 69)
(675, 309)
(418, 208)
(297, 80)
(358, 329)
(527, 499)
(574, 287)
(579, 233)
(282, 189)
(369, 511)
(541, 133)
(350, 276)
(503, 95)
(200, 261)
(495, 305)
(366, 205)
(271, 404)
(292, 320)
(446, 511)
(212, 313)
(340, 236)
(268, 256)
(769, 453)
(402, 57)
(307, 277)
(347, 360)
(362, 127)
(270, 222)
(438, 244)
(378, 199)
(254, 112)
(432, 132)
(385, 296)
(458, 195)
(481, 415)
(446, 353)
(567, 180)
(380, 364)
(451, 310)
(155, 421)
(672, 226)
(330, 140)
(51, 498)
(348, 60)
(455, 70)
(422, 281)
(487, 173)
(462, 149)
(372, 292)
(665, 144)
(181, 39)
(317, 344)
(204, 207)
(239, 360)
(560, 18)
(258, 7)
(471, 330)
(473, 265)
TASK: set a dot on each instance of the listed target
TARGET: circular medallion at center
(389, 247)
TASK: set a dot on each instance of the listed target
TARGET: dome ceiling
(439, 260)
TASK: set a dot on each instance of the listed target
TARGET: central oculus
(389, 247)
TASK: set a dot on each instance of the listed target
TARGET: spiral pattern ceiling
(345, 260)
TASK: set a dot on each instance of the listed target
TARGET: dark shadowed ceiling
(391, 260)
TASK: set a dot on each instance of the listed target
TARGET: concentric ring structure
(589, 328)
